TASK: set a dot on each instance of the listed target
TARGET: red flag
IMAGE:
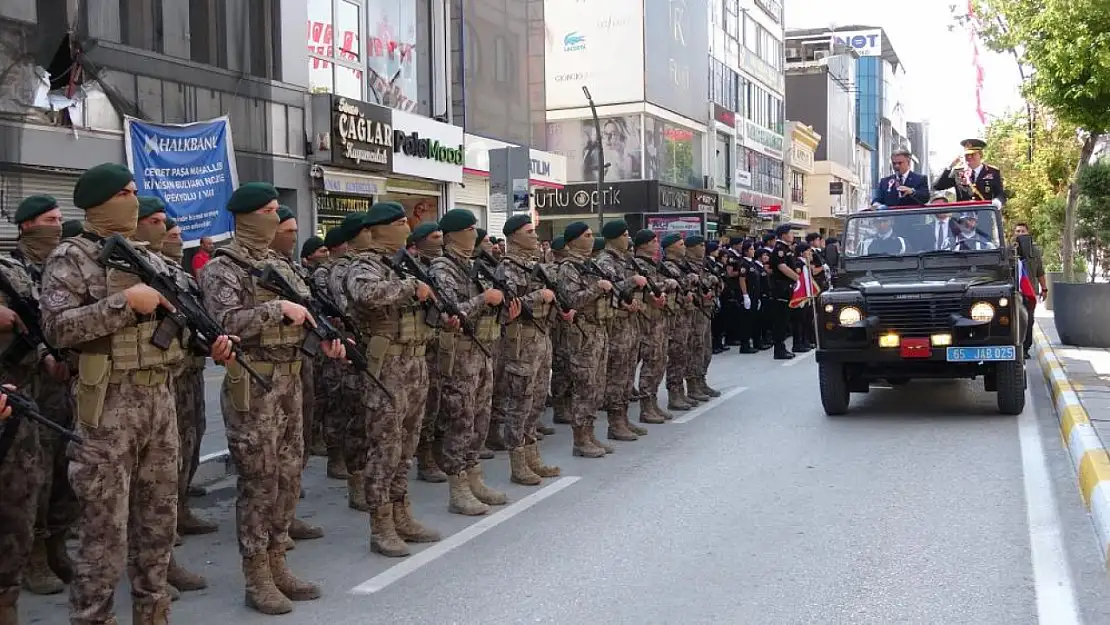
(805, 289)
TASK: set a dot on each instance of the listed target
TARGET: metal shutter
(475, 192)
(15, 186)
(496, 223)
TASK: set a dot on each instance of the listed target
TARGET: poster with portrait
(391, 55)
(620, 142)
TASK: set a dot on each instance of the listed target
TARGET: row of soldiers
(434, 347)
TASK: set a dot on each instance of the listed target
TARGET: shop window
(393, 56)
(335, 48)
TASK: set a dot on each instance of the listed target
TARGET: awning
(351, 183)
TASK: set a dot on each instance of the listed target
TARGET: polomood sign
(190, 167)
(583, 40)
(426, 148)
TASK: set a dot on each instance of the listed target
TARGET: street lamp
(601, 164)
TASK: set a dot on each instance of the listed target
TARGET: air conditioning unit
(820, 54)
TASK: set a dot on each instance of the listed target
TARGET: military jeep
(922, 292)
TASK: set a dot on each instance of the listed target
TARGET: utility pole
(601, 164)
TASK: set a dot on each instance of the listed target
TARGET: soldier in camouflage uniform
(391, 314)
(701, 331)
(653, 329)
(560, 378)
(622, 330)
(285, 243)
(466, 373)
(484, 425)
(427, 239)
(521, 394)
(151, 230)
(40, 223)
(327, 383)
(125, 473)
(586, 344)
(263, 426)
(313, 253)
(18, 492)
(677, 314)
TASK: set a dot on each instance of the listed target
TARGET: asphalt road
(921, 506)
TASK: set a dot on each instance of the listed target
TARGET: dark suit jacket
(887, 191)
(989, 185)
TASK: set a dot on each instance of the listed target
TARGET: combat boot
(356, 493)
(180, 578)
(649, 411)
(286, 582)
(618, 426)
(704, 387)
(481, 492)
(583, 446)
(521, 472)
(383, 533)
(189, 524)
(157, 613)
(9, 611)
(262, 595)
(173, 593)
(781, 353)
(694, 391)
(590, 431)
(545, 429)
(676, 400)
(37, 576)
(57, 556)
(302, 530)
(337, 465)
(535, 462)
(426, 468)
(408, 528)
(462, 500)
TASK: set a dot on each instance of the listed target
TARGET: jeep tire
(834, 388)
(1011, 387)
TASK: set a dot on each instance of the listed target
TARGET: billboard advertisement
(864, 42)
(597, 44)
(620, 140)
(677, 55)
(686, 225)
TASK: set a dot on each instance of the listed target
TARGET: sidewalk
(1078, 380)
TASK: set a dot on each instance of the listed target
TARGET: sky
(939, 84)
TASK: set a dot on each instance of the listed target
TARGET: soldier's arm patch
(781, 253)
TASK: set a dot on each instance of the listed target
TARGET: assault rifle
(591, 266)
(24, 407)
(407, 267)
(685, 290)
(28, 338)
(651, 285)
(485, 268)
(323, 330)
(540, 272)
(119, 254)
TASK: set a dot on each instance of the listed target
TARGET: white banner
(596, 43)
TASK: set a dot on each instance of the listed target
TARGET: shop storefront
(20, 183)
(370, 153)
(547, 171)
(642, 203)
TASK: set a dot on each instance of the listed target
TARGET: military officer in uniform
(783, 277)
(978, 182)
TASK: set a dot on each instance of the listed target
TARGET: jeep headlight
(982, 311)
(849, 315)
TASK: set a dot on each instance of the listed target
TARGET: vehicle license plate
(913, 347)
(998, 353)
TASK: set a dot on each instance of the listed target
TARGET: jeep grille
(915, 317)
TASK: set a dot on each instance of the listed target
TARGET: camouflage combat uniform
(624, 344)
(465, 387)
(327, 383)
(125, 475)
(701, 332)
(652, 353)
(678, 319)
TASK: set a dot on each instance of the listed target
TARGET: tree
(1093, 231)
(1067, 45)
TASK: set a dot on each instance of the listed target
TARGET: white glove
(825, 267)
(747, 302)
(997, 203)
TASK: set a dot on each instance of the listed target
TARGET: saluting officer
(978, 182)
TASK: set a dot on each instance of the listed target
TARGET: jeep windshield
(958, 230)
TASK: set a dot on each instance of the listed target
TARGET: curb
(1088, 454)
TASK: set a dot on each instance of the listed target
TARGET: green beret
(100, 184)
(599, 244)
(558, 243)
(34, 206)
(457, 220)
(72, 228)
(423, 231)
(643, 236)
(285, 214)
(251, 197)
(354, 223)
(614, 229)
(382, 213)
(170, 224)
(575, 230)
(670, 239)
(150, 205)
(336, 236)
(514, 223)
(311, 246)
(695, 239)
(479, 235)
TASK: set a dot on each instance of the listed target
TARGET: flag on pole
(1025, 283)
(805, 289)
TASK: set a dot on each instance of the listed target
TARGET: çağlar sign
(364, 140)
(411, 144)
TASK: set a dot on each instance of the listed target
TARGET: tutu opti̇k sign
(190, 167)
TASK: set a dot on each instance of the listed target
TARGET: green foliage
(1066, 43)
(1093, 223)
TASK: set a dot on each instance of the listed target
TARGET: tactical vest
(274, 334)
(488, 327)
(24, 285)
(402, 325)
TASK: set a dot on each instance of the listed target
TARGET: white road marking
(223, 454)
(1052, 578)
(700, 410)
(797, 359)
(414, 562)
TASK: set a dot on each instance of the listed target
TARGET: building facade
(804, 142)
(917, 134)
(64, 101)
